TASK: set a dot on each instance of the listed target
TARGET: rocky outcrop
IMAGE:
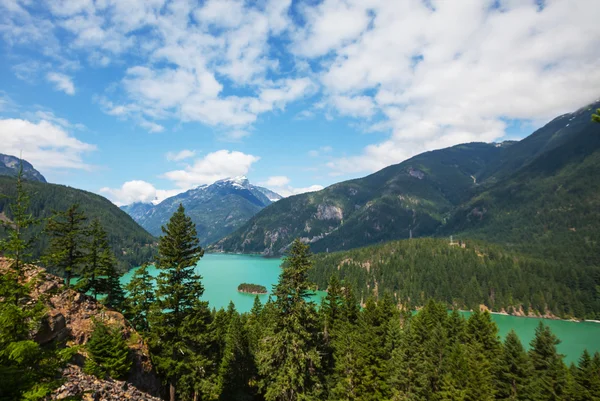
(69, 320)
(329, 212)
(89, 388)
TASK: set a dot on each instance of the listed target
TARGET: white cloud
(449, 73)
(62, 82)
(318, 152)
(212, 167)
(137, 191)
(181, 155)
(276, 181)
(45, 144)
(280, 184)
(151, 126)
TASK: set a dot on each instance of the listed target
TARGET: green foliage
(419, 269)
(131, 244)
(140, 297)
(549, 371)
(108, 352)
(17, 246)
(288, 359)
(97, 261)
(179, 319)
(596, 116)
(67, 239)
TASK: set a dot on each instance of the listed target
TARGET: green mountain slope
(131, 244)
(416, 270)
(434, 193)
(550, 207)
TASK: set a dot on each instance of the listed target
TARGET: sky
(138, 100)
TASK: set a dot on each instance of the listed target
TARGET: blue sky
(140, 99)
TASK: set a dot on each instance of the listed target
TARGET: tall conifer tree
(67, 239)
(288, 358)
(178, 293)
(140, 298)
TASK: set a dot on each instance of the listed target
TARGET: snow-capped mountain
(217, 209)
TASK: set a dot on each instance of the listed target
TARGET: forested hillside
(550, 207)
(534, 192)
(412, 271)
(408, 199)
(131, 244)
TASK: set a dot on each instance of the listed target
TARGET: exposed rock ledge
(69, 318)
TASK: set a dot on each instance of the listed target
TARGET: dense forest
(285, 350)
(131, 244)
(413, 271)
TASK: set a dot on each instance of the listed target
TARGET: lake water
(223, 273)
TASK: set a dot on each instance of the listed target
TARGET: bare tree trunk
(171, 392)
(195, 396)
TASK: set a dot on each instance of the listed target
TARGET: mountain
(216, 209)
(442, 192)
(9, 165)
(131, 244)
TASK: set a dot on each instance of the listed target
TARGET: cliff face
(69, 319)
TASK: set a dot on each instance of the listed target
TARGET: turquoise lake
(223, 273)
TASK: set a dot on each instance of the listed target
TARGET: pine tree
(237, 366)
(549, 371)
(178, 292)
(67, 241)
(18, 242)
(115, 296)
(140, 298)
(288, 360)
(108, 352)
(97, 260)
(514, 371)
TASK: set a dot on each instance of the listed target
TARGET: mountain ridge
(415, 198)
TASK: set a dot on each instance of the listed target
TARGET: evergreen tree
(549, 371)
(67, 241)
(140, 298)
(514, 371)
(178, 292)
(97, 260)
(237, 366)
(18, 242)
(288, 360)
(108, 352)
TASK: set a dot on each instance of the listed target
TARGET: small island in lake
(252, 288)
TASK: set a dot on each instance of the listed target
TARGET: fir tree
(18, 242)
(140, 298)
(97, 260)
(108, 352)
(549, 371)
(67, 241)
(237, 366)
(178, 292)
(288, 360)
(514, 371)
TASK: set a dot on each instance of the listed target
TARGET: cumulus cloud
(443, 73)
(280, 184)
(212, 167)
(181, 155)
(45, 144)
(137, 191)
(61, 82)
